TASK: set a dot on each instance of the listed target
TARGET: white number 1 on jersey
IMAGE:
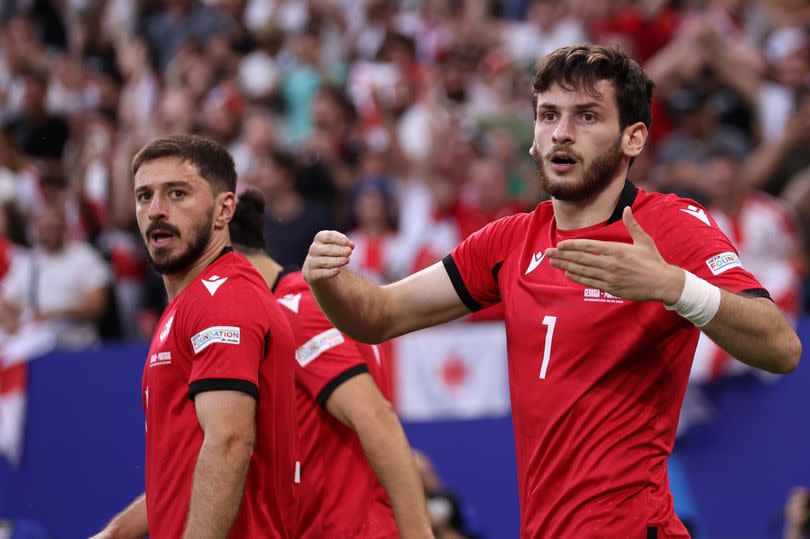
(549, 321)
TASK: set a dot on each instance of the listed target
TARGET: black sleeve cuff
(756, 293)
(329, 388)
(458, 284)
(222, 384)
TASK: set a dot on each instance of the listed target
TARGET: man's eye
(143, 197)
(589, 117)
(177, 193)
(549, 116)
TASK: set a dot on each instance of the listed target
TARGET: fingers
(580, 257)
(332, 237)
(596, 247)
(636, 232)
(329, 252)
(580, 269)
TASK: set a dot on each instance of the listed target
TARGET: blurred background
(406, 124)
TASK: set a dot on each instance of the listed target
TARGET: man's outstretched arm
(371, 313)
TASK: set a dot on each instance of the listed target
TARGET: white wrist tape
(699, 300)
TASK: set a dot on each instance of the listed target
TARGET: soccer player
(605, 287)
(218, 384)
(347, 429)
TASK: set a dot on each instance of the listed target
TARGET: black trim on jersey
(266, 344)
(496, 269)
(283, 273)
(756, 293)
(458, 284)
(626, 198)
(335, 382)
(222, 384)
(652, 532)
(225, 250)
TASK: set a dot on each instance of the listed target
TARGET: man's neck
(268, 268)
(595, 210)
(177, 282)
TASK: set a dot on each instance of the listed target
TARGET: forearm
(390, 456)
(131, 523)
(754, 331)
(354, 304)
(219, 483)
(763, 162)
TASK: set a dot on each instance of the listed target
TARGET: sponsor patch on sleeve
(215, 334)
(723, 262)
(317, 345)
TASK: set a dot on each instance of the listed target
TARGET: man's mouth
(562, 161)
(161, 238)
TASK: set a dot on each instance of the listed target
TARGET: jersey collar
(626, 198)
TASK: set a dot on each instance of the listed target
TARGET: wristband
(699, 301)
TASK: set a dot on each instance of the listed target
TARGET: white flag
(456, 371)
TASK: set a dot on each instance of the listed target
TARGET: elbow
(789, 359)
(237, 447)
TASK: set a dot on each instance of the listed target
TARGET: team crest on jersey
(215, 334)
(166, 327)
(161, 358)
(600, 296)
(723, 262)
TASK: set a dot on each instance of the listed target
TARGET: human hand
(797, 511)
(634, 271)
(329, 252)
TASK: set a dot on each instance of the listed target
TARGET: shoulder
(515, 223)
(231, 284)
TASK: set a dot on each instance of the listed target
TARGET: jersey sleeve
(688, 237)
(474, 264)
(228, 335)
(326, 357)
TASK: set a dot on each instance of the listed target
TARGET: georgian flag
(456, 371)
(31, 341)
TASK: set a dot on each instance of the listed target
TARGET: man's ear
(226, 206)
(634, 138)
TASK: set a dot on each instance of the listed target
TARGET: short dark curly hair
(583, 65)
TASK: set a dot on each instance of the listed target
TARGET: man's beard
(200, 236)
(596, 178)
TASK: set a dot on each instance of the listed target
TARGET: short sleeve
(326, 357)
(688, 237)
(227, 338)
(474, 264)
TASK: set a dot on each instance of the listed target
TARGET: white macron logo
(165, 332)
(291, 301)
(535, 261)
(695, 212)
(213, 283)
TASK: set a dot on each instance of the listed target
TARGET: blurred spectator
(797, 514)
(444, 508)
(697, 133)
(292, 221)
(61, 282)
(35, 131)
(372, 228)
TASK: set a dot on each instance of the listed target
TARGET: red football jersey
(341, 497)
(225, 331)
(596, 381)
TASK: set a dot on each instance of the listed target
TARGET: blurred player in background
(605, 289)
(351, 440)
(218, 385)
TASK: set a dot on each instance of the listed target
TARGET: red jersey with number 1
(596, 381)
(341, 497)
(224, 331)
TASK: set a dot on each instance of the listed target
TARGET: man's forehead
(166, 170)
(581, 93)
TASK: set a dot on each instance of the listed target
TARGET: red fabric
(341, 497)
(5, 256)
(597, 429)
(13, 379)
(187, 348)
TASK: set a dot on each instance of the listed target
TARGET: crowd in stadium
(406, 124)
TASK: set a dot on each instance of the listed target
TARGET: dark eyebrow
(176, 184)
(583, 106)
